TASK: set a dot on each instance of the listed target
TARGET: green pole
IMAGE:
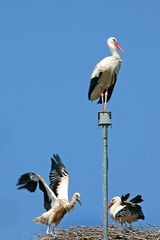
(104, 120)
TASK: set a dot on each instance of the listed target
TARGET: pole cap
(104, 118)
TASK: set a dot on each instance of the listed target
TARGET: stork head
(113, 44)
(77, 197)
(115, 200)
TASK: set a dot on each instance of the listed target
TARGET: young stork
(104, 75)
(122, 210)
(55, 195)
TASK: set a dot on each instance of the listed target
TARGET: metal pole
(104, 120)
(105, 180)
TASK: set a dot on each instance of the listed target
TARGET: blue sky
(48, 50)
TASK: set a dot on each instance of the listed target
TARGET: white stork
(104, 75)
(55, 195)
(122, 210)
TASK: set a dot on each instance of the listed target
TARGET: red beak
(118, 46)
(110, 204)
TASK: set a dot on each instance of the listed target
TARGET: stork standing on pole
(104, 75)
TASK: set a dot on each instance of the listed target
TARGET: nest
(114, 233)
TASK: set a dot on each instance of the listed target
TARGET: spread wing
(30, 181)
(59, 178)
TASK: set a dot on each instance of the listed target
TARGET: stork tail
(40, 220)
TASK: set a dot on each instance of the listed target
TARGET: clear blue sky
(48, 50)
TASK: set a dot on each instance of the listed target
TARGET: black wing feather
(137, 199)
(58, 171)
(110, 89)
(125, 197)
(130, 209)
(30, 181)
(93, 83)
(47, 201)
(27, 183)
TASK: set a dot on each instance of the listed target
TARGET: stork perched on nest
(55, 195)
(122, 210)
(104, 75)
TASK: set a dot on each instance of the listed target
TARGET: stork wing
(93, 83)
(130, 210)
(110, 89)
(125, 197)
(59, 178)
(126, 211)
(30, 181)
(137, 199)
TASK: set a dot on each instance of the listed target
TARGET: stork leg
(125, 224)
(54, 231)
(102, 99)
(48, 230)
(105, 100)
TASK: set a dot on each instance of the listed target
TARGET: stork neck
(72, 203)
(114, 53)
(113, 208)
